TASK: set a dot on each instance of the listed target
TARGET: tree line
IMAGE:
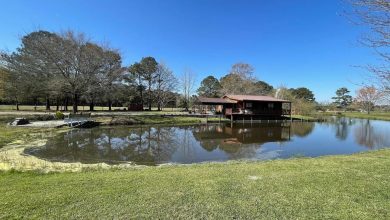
(62, 69)
(68, 68)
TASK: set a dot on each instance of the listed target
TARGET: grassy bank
(337, 187)
(373, 115)
(10, 134)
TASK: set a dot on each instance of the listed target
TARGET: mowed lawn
(335, 187)
(376, 115)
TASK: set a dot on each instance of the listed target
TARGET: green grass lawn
(373, 115)
(304, 117)
(335, 187)
(10, 134)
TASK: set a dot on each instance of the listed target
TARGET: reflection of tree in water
(368, 136)
(302, 129)
(186, 143)
(341, 126)
(143, 145)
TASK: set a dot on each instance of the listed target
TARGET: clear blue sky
(295, 43)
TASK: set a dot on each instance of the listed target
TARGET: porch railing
(230, 111)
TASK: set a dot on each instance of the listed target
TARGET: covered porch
(237, 107)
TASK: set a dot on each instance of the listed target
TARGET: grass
(373, 115)
(10, 134)
(335, 187)
(303, 117)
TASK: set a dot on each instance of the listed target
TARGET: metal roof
(254, 98)
(215, 100)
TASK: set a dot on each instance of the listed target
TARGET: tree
(34, 67)
(239, 80)
(187, 81)
(148, 69)
(342, 98)
(375, 14)
(60, 65)
(367, 97)
(3, 79)
(136, 72)
(262, 88)
(13, 86)
(303, 93)
(112, 74)
(209, 87)
(166, 83)
(144, 72)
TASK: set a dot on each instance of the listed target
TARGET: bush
(60, 115)
(46, 117)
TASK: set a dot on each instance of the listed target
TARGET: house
(248, 106)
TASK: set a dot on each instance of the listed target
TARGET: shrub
(46, 117)
(59, 115)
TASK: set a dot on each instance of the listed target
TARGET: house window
(270, 105)
(248, 105)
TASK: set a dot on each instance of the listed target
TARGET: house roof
(253, 98)
(215, 100)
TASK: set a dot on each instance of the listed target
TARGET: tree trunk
(109, 104)
(91, 106)
(75, 103)
(66, 104)
(140, 92)
(35, 104)
(47, 104)
(57, 104)
(17, 105)
(150, 97)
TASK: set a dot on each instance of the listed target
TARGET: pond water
(151, 145)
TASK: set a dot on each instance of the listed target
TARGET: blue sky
(293, 43)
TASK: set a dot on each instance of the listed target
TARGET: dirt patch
(45, 124)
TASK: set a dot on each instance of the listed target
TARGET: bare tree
(65, 63)
(239, 80)
(375, 14)
(12, 86)
(166, 83)
(187, 81)
(367, 97)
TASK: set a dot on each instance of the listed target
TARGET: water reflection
(302, 129)
(209, 142)
(369, 136)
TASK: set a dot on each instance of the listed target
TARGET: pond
(151, 145)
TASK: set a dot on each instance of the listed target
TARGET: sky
(299, 43)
